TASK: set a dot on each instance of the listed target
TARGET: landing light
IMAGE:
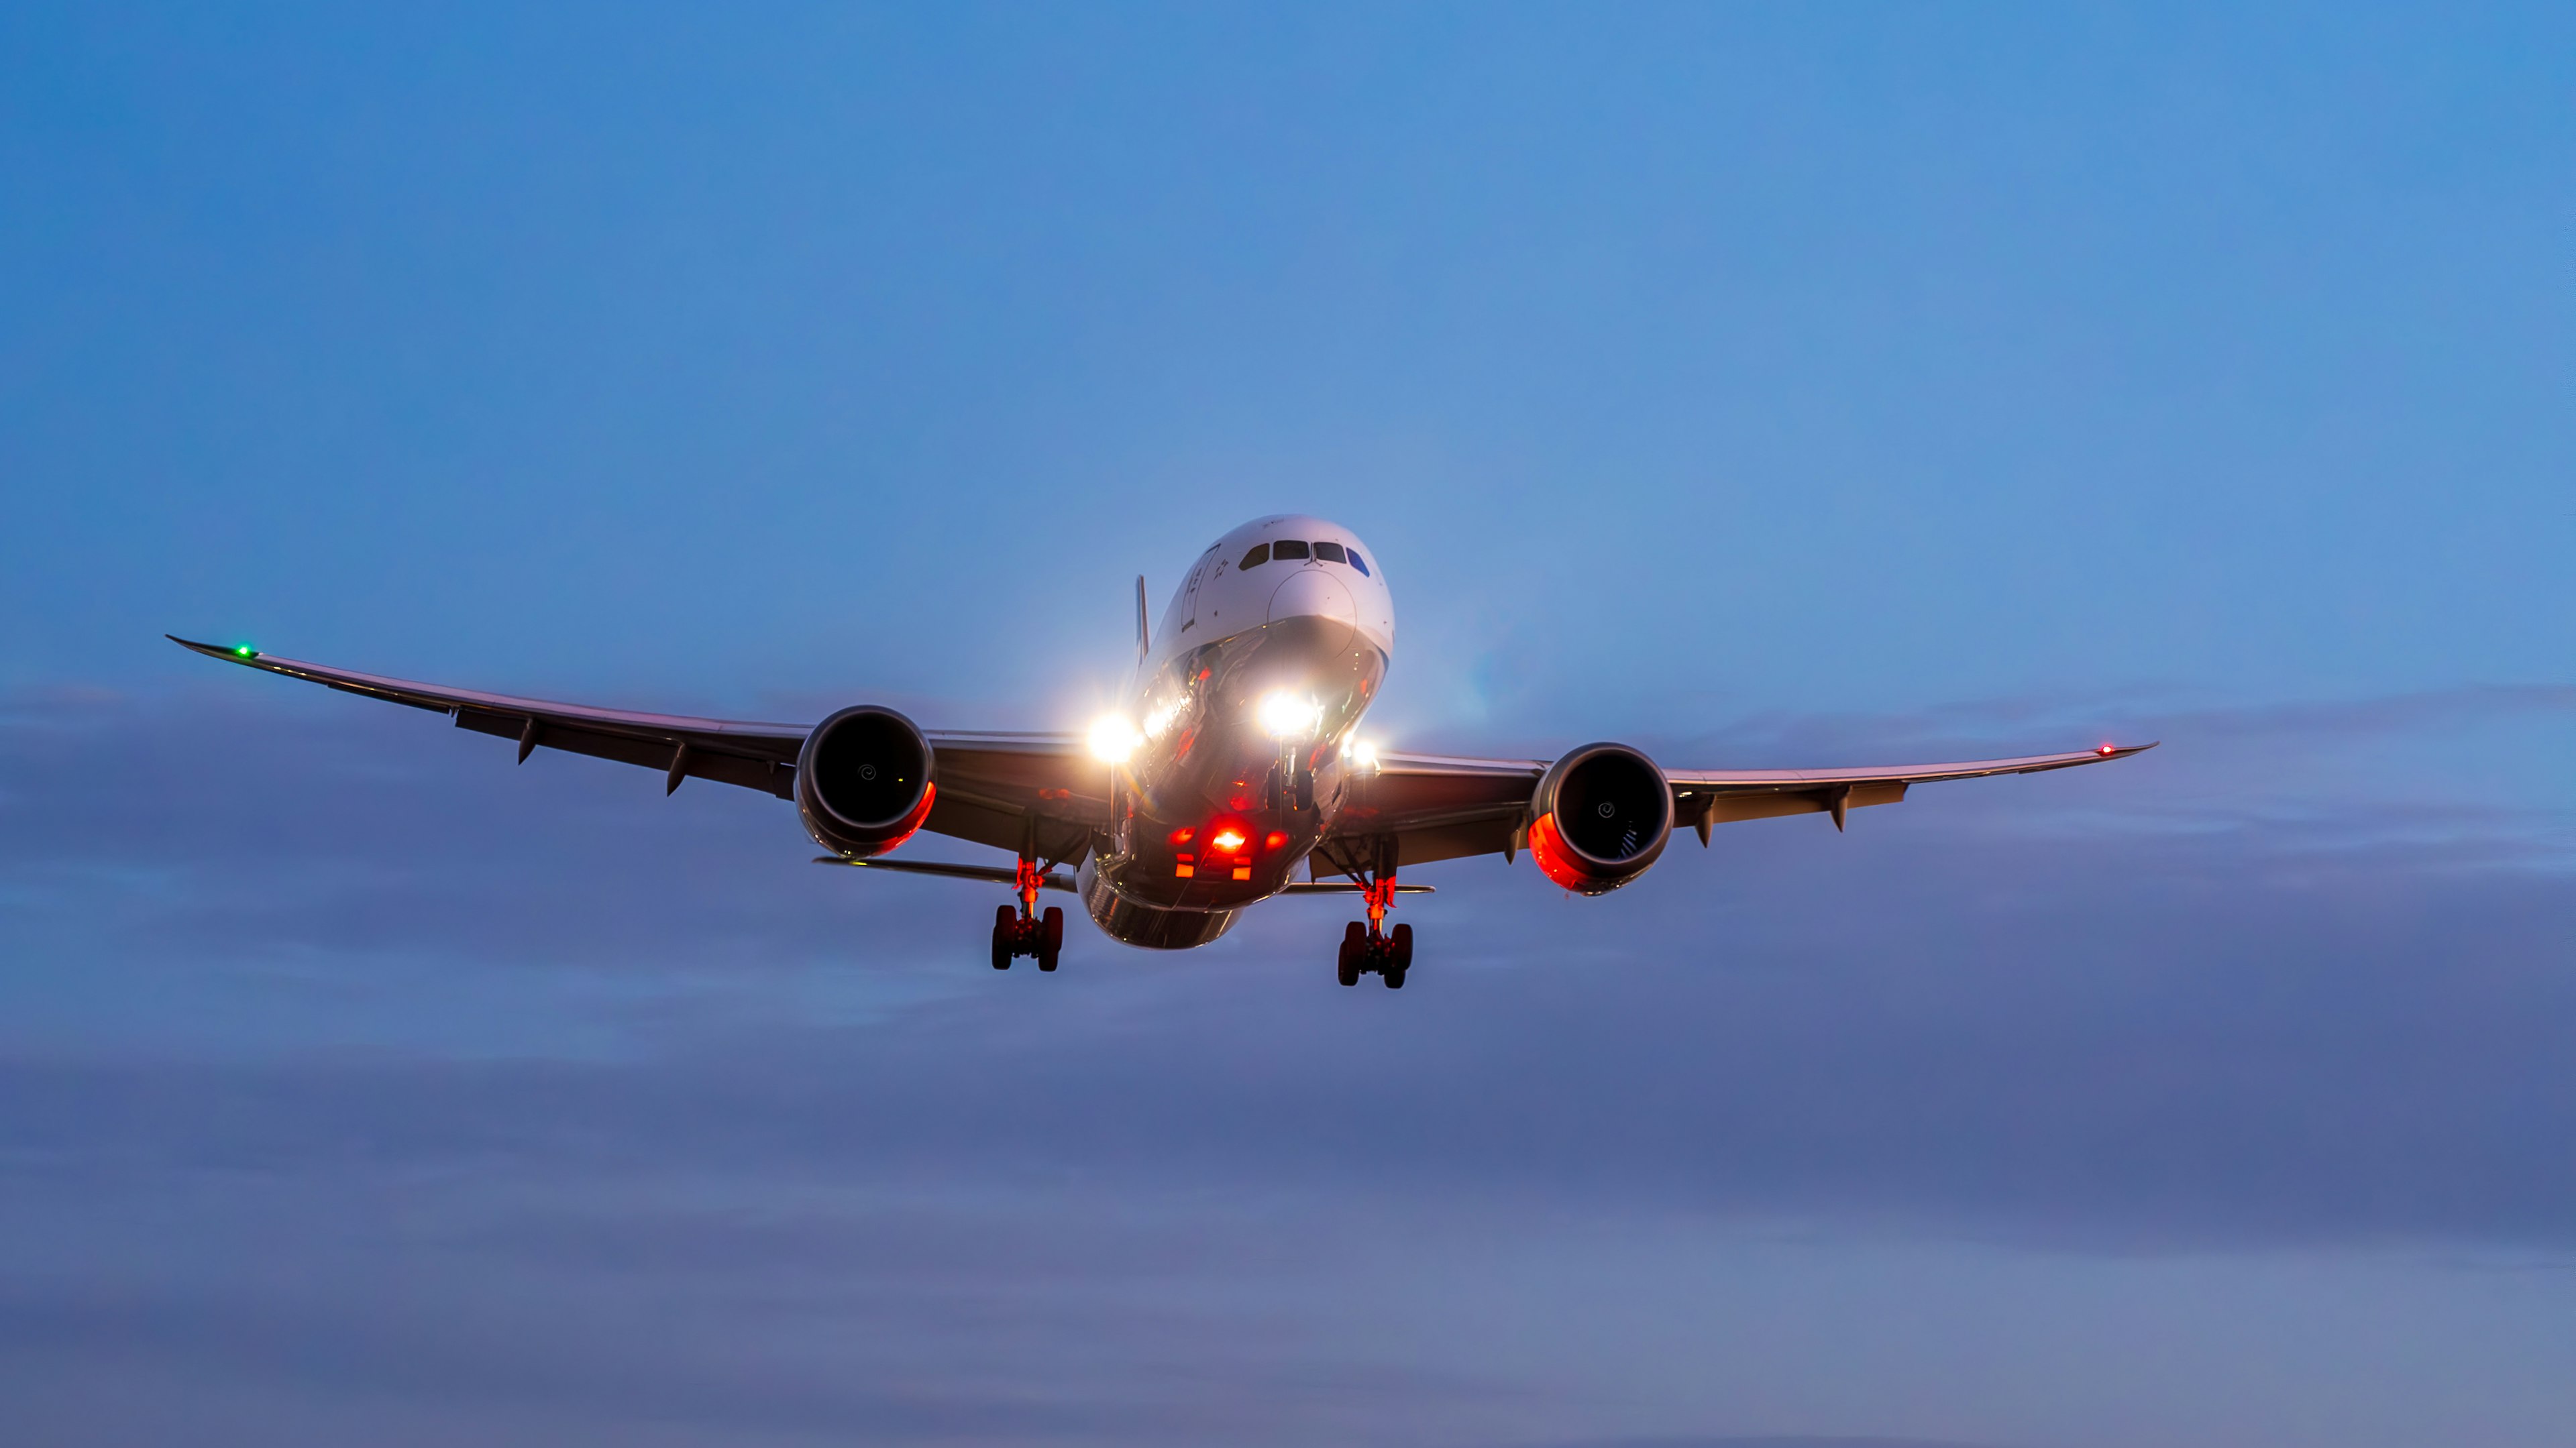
(1362, 754)
(1289, 716)
(1113, 739)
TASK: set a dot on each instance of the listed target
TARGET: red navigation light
(1181, 836)
(2107, 749)
(1227, 840)
(1276, 839)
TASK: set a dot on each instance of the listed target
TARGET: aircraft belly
(1210, 821)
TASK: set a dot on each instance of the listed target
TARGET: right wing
(994, 789)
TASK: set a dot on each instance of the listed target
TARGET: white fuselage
(1243, 712)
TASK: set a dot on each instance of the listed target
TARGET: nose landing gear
(1291, 785)
(1024, 931)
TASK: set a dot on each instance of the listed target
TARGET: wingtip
(238, 653)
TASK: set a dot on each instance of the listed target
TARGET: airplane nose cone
(1315, 593)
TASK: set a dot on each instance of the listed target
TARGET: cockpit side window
(1359, 563)
(1259, 555)
(1329, 553)
(1288, 548)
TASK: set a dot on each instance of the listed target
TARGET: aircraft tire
(1394, 976)
(1050, 938)
(1005, 925)
(1400, 950)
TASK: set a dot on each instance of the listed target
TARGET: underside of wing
(1431, 807)
(1006, 790)
(1439, 807)
(754, 755)
(1705, 797)
(1042, 794)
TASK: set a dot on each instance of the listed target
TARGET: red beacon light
(1228, 841)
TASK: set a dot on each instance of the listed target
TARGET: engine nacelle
(1601, 815)
(863, 781)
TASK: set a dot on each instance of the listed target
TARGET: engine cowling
(863, 781)
(1601, 816)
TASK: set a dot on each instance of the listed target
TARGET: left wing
(730, 751)
(994, 789)
(1440, 807)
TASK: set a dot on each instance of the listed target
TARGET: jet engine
(863, 781)
(1601, 815)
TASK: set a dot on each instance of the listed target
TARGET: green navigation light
(245, 651)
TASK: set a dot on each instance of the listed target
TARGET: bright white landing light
(1361, 754)
(1113, 739)
(1289, 716)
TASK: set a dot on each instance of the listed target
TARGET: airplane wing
(991, 785)
(1440, 807)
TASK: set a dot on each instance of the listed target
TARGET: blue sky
(1762, 386)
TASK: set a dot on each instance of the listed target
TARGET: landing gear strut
(1292, 784)
(1024, 931)
(1372, 948)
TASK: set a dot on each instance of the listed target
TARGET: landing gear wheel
(1006, 929)
(1050, 938)
(1394, 976)
(1399, 956)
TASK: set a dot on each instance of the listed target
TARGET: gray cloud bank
(619, 1102)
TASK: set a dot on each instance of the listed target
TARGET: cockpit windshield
(1293, 548)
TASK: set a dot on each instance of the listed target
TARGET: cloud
(1965, 1011)
(640, 1120)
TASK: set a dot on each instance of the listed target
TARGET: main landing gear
(1372, 947)
(1024, 931)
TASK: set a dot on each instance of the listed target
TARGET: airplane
(1234, 760)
